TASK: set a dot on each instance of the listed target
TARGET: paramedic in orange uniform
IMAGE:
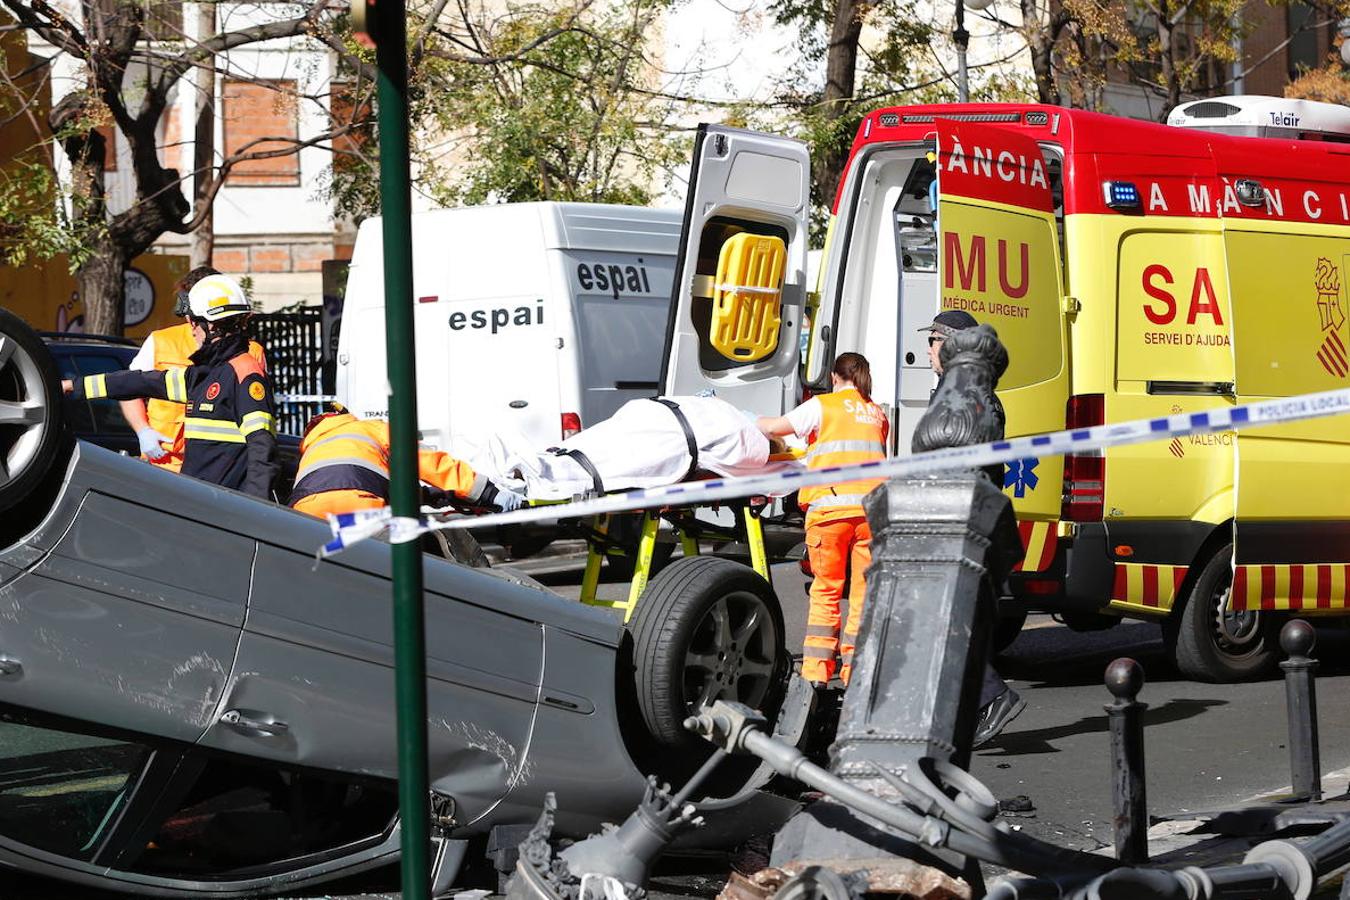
(344, 467)
(842, 427)
(160, 422)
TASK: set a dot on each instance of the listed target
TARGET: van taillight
(571, 424)
(1084, 473)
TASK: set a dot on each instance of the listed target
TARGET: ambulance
(1133, 270)
(540, 318)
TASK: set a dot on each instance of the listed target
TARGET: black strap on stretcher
(584, 461)
(688, 434)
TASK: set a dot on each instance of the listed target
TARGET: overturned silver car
(191, 703)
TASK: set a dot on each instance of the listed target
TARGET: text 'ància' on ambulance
(1133, 270)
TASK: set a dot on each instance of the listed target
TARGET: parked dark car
(97, 421)
(101, 422)
(191, 704)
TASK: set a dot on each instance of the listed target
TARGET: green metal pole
(391, 55)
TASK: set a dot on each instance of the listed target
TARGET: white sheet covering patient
(642, 445)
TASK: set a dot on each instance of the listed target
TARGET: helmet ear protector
(181, 308)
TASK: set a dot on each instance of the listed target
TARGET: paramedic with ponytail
(842, 427)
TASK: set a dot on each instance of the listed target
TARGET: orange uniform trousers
(327, 503)
(835, 548)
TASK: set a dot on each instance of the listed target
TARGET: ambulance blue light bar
(1121, 195)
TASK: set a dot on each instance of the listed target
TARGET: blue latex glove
(509, 500)
(150, 441)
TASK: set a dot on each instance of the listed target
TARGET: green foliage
(33, 224)
(536, 101)
(893, 66)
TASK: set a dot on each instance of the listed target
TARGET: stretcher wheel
(31, 419)
(706, 629)
(1210, 642)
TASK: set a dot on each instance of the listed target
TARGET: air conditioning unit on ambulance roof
(1272, 117)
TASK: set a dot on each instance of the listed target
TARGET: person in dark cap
(999, 704)
(944, 323)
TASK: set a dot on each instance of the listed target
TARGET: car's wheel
(1211, 642)
(1007, 627)
(30, 410)
(706, 629)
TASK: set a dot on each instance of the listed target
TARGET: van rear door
(999, 260)
(740, 275)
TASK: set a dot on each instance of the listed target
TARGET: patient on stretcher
(648, 442)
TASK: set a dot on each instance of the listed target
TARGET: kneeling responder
(230, 426)
(843, 427)
(159, 423)
(344, 467)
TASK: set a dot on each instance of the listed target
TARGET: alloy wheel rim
(24, 416)
(1237, 633)
(731, 654)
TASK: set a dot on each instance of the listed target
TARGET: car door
(314, 681)
(130, 621)
(740, 275)
(998, 259)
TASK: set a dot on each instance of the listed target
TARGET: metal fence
(294, 344)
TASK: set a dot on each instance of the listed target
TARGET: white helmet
(217, 297)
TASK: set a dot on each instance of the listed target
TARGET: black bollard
(1300, 695)
(1124, 679)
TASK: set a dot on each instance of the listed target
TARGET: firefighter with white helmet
(158, 423)
(230, 425)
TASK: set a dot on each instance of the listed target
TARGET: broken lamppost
(941, 542)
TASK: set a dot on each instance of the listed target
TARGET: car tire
(32, 428)
(1210, 643)
(706, 629)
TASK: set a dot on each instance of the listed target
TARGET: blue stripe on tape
(1307, 406)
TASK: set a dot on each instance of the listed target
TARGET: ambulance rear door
(740, 275)
(999, 260)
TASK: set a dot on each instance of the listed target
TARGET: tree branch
(57, 30)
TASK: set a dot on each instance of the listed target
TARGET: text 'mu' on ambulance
(1133, 270)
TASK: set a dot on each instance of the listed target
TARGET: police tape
(691, 493)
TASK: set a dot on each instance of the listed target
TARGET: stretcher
(601, 542)
(688, 528)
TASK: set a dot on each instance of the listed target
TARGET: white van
(542, 317)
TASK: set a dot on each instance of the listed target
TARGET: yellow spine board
(748, 297)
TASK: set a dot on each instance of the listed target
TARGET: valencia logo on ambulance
(1332, 353)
